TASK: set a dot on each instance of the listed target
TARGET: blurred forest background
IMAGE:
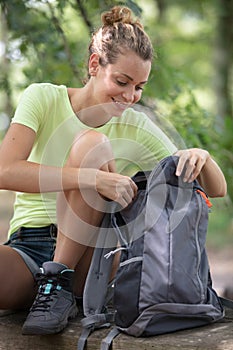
(190, 84)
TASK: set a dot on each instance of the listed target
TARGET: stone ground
(221, 261)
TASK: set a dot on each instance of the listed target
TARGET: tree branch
(65, 42)
(85, 16)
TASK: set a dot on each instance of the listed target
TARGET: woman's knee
(90, 149)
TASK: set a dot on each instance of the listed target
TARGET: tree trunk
(223, 59)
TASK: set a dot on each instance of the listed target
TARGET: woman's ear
(93, 64)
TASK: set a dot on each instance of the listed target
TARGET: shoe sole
(35, 330)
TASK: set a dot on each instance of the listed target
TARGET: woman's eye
(121, 83)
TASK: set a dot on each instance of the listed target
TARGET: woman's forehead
(132, 66)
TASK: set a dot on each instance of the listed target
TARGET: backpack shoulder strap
(97, 283)
(107, 341)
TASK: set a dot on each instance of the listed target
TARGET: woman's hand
(192, 161)
(116, 187)
(198, 164)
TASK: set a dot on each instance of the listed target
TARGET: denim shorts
(35, 245)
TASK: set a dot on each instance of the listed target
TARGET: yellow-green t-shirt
(137, 144)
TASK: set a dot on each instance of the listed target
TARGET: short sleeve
(157, 145)
(30, 111)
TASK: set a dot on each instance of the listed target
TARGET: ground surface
(221, 261)
(216, 336)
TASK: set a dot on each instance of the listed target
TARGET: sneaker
(54, 304)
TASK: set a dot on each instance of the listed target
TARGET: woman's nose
(129, 95)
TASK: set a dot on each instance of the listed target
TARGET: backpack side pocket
(127, 289)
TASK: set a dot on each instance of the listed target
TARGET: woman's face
(120, 84)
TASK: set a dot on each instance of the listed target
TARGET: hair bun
(119, 14)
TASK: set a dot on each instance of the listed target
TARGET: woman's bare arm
(19, 174)
(200, 165)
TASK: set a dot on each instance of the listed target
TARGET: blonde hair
(120, 32)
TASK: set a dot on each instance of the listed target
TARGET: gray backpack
(163, 282)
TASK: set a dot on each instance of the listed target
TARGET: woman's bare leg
(17, 289)
(80, 213)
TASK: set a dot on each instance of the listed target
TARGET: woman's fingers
(119, 188)
(191, 162)
(126, 190)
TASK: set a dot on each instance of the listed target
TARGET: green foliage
(36, 30)
(225, 151)
(220, 229)
(183, 76)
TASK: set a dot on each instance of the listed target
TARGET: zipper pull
(208, 202)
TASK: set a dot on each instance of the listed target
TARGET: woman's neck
(89, 113)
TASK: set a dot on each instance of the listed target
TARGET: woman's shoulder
(44, 93)
(46, 88)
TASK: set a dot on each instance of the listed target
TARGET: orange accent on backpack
(208, 202)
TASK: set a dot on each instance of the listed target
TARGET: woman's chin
(118, 109)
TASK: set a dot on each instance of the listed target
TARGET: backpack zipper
(208, 202)
(199, 201)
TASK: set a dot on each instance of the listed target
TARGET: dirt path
(221, 261)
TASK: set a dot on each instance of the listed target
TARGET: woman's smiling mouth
(120, 105)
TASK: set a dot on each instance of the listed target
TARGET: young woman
(68, 152)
